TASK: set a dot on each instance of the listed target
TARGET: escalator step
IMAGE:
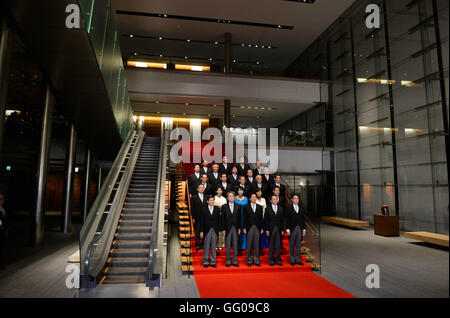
(125, 279)
(121, 271)
(135, 229)
(128, 262)
(124, 236)
(132, 244)
(130, 252)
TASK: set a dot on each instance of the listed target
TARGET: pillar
(6, 48)
(66, 225)
(86, 183)
(41, 180)
(227, 70)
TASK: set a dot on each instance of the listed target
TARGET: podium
(386, 225)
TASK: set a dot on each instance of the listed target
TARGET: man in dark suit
(205, 168)
(3, 232)
(198, 202)
(225, 167)
(242, 167)
(295, 229)
(250, 178)
(214, 175)
(231, 222)
(260, 185)
(233, 178)
(243, 184)
(281, 199)
(277, 183)
(209, 188)
(259, 169)
(210, 228)
(253, 228)
(226, 187)
(274, 230)
(194, 179)
(267, 177)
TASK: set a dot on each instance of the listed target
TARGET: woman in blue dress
(242, 201)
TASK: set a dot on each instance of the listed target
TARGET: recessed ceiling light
(185, 57)
(257, 62)
(216, 42)
(157, 102)
(234, 61)
(189, 40)
(210, 59)
(187, 104)
(165, 16)
(135, 53)
(160, 55)
(131, 35)
(160, 38)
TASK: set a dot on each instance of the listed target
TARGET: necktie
(231, 207)
(211, 209)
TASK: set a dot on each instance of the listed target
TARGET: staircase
(129, 254)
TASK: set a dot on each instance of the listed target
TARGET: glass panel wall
(99, 22)
(387, 102)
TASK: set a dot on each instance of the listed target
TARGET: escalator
(122, 239)
(129, 255)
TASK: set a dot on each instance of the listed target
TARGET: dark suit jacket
(193, 182)
(253, 218)
(214, 180)
(246, 189)
(264, 179)
(242, 172)
(294, 219)
(282, 189)
(209, 221)
(4, 226)
(202, 170)
(274, 220)
(229, 219)
(250, 184)
(227, 189)
(256, 172)
(197, 206)
(264, 188)
(227, 170)
(210, 189)
(233, 181)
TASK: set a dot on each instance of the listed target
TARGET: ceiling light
(234, 61)
(160, 38)
(186, 57)
(147, 64)
(131, 35)
(187, 104)
(135, 53)
(216, 43)
(195, 68)
(160, 55)
(210, 59)
(189, 40)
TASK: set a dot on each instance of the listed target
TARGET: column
(227, 70)
(6, 48)
(86, 179)
(66, 222)
(41, 180)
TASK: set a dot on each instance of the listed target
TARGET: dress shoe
(249, 265)
(279, 264)
(205, 266)
(228, 265)
(236, 265)
(213, 265)
(271, 264)
(257, 264)
(300, 263)
(292, 264)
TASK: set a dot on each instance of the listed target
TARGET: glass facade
(99, 22)
(388, 98)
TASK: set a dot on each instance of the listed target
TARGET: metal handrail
(106, 230)
(152, 276)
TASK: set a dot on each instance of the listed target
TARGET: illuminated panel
(147, 64)
(195, 68)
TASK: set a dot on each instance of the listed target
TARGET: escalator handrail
(153, 252)
(89, 227)
(108, 229)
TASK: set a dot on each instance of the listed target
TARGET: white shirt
(205, 185)
(278, 185)
(215, 174)
(234, 176)
(231, 205)
(242, 165)
(224, 185)
(197, 174)
(225, 165)
(205, 169)
(200, 195)
(267, 176)
(253, 206)
(296, 208)
(259, 185)
(250, 179)
(211, 209)
(275, 208)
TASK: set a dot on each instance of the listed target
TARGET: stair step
(127, 236)
(129, 271)
(137, 210)
(138, 216)
(134, 229)
(138, 205)
(131, 244)
(134, 222)
(125, 279)
(128, 262)
(130, 252)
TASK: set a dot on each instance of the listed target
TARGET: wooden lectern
(386, 225)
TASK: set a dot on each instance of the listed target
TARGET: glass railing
(98, 231)
(300, 138)
(99, 23)
(158, 255)
(311, 241)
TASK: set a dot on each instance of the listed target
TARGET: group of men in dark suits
(210, 220)
(232, 177)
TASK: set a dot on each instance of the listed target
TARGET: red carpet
(267, 285)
